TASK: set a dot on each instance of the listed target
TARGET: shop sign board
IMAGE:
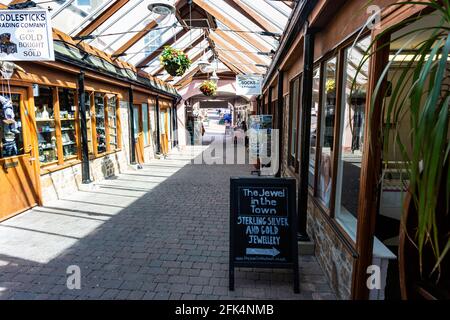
(26, 35)
(263, 225)
(248, 85)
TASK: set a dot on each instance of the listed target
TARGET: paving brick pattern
(156, 233)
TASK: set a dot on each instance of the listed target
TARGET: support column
(305, 133)
(85, 172)
(158, 139)
(269, 103)
(280, 109)
(132, 129)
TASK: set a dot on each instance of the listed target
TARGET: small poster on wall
(26, 35)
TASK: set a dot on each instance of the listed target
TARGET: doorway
(18, 179)
(138, 134)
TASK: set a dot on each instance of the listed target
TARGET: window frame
(293, 160)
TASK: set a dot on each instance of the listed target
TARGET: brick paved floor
(156, 233)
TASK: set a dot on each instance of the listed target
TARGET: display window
(352, 125)
(146, 123)
(11, 132)
(113, 122)
(47, 126)
(100, 123)
(293, 127)
(314, 126)
(327, 124)
(89, 121)
(68, 115)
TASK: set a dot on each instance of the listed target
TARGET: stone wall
(333, 257)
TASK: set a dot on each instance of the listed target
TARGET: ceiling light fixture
(162, 7)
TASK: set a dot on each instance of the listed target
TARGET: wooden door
(138, 133)
(18, 164)
(164, 127)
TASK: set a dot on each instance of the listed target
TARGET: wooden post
(83, 129)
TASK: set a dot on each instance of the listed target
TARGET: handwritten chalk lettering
(252, 230)
(258, 221)
(275, 221)
(270, 240)
(266, 202)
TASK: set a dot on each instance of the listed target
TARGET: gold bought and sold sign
(26, 35)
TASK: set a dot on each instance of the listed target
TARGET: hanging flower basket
(208, 88)
(174, 61)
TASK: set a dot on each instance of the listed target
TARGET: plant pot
(413, 285)
(173, 69)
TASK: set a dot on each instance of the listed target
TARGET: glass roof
(247, 30)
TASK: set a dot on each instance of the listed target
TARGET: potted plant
(174, 61)
(208, 88)
(420, 95)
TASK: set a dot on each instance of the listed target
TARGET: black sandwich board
(263, 225)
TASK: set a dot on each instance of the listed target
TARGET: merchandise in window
(90, 136)
(46, 126)
(67, 114)
(100, 127)
(112, 123)
(11, 135)
(327, 132)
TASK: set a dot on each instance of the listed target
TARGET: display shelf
(69, 144)
(45, 120)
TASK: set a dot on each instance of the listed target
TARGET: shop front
(53, 147)
(353, 205)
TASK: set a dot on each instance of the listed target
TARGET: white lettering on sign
(26, 35)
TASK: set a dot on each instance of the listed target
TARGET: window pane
(352, 137)
(87, 102)
(145, 123)
(314, 117)
(137, 127)
(67, 109)
(100, 122)
(299, 131)
(327, 132)
(294, 113)
(112, 122)
(153, 124)
(11, 135)
(46, 126)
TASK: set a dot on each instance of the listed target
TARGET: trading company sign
(248, 85)
(26, 35)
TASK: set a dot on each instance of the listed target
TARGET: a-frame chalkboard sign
(263, 225)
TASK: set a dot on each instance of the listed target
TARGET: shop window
(293, 112)
(145, 123)
(100, 127)
(11, 134)
(299, 131)
(153, 132)
(89, 120)
(113, 123)
(314, 127)
(352, 125)
(327, 132)
(67, 115)
(46, 126)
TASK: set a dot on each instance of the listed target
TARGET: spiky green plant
(421, 95)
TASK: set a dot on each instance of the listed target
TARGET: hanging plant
(208, 88)
(174, 61)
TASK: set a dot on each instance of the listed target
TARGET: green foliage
(421, 95)
(174, 61)
(208, 88)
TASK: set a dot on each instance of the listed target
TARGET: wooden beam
(138, 36)
(235, 59)
(290, 4)
(232, 26)
(250, 14)
(186, 49)
(101, 18)
(237, 45)
(155, 53)
(231, 66)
